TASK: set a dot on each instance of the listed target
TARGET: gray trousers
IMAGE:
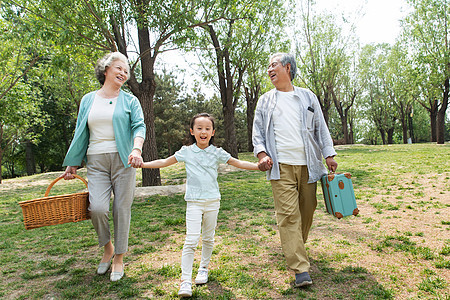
(106, 173)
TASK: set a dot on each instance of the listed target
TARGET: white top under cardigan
(101, 131)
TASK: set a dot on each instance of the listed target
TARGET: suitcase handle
(332, 174)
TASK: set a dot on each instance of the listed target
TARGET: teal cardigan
(128, 123)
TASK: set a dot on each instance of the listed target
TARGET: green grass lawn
(398, 247)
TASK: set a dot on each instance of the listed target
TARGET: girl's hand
(68, 173)
(135, 159)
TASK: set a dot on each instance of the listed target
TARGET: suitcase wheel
(355, 211)
(338, 215)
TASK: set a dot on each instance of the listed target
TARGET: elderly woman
(109, 135)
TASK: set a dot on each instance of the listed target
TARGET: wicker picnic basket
(55, 210)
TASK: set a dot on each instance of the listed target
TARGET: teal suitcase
(339, 195)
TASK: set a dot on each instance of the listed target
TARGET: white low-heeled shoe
(103, 268)
(116, 276)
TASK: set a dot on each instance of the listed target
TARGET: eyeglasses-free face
(279, 74)
(203, 131)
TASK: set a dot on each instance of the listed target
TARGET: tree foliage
(231, 46)
(427, 31)
(378, 106)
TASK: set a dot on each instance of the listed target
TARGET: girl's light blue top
(128, 123)
(201, 171)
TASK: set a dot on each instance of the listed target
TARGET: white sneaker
(185, 289)
(202, 276)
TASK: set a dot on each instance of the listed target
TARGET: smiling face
(280, 75)
(202, 130)
(116, 73)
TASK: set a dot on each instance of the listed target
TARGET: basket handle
(58, 179)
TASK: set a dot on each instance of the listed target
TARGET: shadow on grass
(349, 282)
(212, 290)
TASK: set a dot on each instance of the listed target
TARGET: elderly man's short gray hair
(106, 61)
(287, 58)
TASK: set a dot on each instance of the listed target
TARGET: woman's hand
(135, 159)
(68, 173)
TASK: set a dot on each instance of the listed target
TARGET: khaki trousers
(295, 203)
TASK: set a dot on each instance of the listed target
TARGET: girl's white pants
(201, 218)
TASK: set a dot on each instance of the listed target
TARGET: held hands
(135, 159)
(331, 164)
(265, 163)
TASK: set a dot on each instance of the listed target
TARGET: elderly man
(290, 137)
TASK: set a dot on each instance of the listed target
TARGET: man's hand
(265, 162)
(331, 163)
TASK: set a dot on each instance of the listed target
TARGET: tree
(170, 120)
(18, 113)
(321, 47)
(61, 79)
(236, 42)
(142, 29)
(344, 94)
(17, 57)
(398, 79)
(427, 30)
(256, 81)
(377, 104)
(428, 96)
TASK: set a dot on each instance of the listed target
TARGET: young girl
(202, 160)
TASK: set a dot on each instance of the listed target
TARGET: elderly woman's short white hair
(106, 61)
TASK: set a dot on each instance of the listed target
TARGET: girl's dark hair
(191, 139)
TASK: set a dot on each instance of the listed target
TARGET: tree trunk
(230, 131)
(343, 115)
(29, 155)
(345, 130)
(1, 151)
(145, 92)
(390, 133)
(1, 156)
(325, 104)
(226, 88)
(432, 107)
(251, 97)
(440, 125)
(410, 125)
(351, 134)
(150, 177)
(383, 135)
(250, 118)
(404, 128)
(433, 118)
